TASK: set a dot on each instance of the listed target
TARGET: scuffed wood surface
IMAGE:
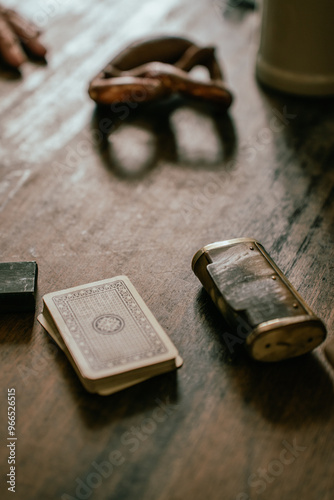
(170, 178)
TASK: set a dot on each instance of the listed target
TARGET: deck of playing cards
(109, 335)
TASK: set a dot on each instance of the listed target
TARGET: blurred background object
(18, 38)
(296, 48)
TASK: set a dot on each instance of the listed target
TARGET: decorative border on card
(62, 303)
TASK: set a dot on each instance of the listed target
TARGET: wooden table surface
(172, 177)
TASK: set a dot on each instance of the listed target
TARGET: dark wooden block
(17, 286)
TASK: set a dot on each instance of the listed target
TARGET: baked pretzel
(157, 67)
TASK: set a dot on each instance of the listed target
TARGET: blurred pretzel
(17, 33)
(157, 67)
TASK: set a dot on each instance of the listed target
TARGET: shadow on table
(236, 10)
(302, 131)
(290, 393)
(100, 411)
(16, 327)
(305, 124)
(7, 72)
(135, 137)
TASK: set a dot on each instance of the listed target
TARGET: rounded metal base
(286, 338)
(294, 82)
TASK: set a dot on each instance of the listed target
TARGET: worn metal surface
(264, 311)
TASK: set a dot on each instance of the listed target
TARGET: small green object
(17, 286)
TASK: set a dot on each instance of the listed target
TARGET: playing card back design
(108, 325)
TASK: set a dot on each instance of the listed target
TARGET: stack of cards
(109, 335)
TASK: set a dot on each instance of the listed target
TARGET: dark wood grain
(170, 178)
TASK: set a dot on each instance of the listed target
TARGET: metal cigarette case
(261, 306)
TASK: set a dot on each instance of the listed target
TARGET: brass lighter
(266, 313)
